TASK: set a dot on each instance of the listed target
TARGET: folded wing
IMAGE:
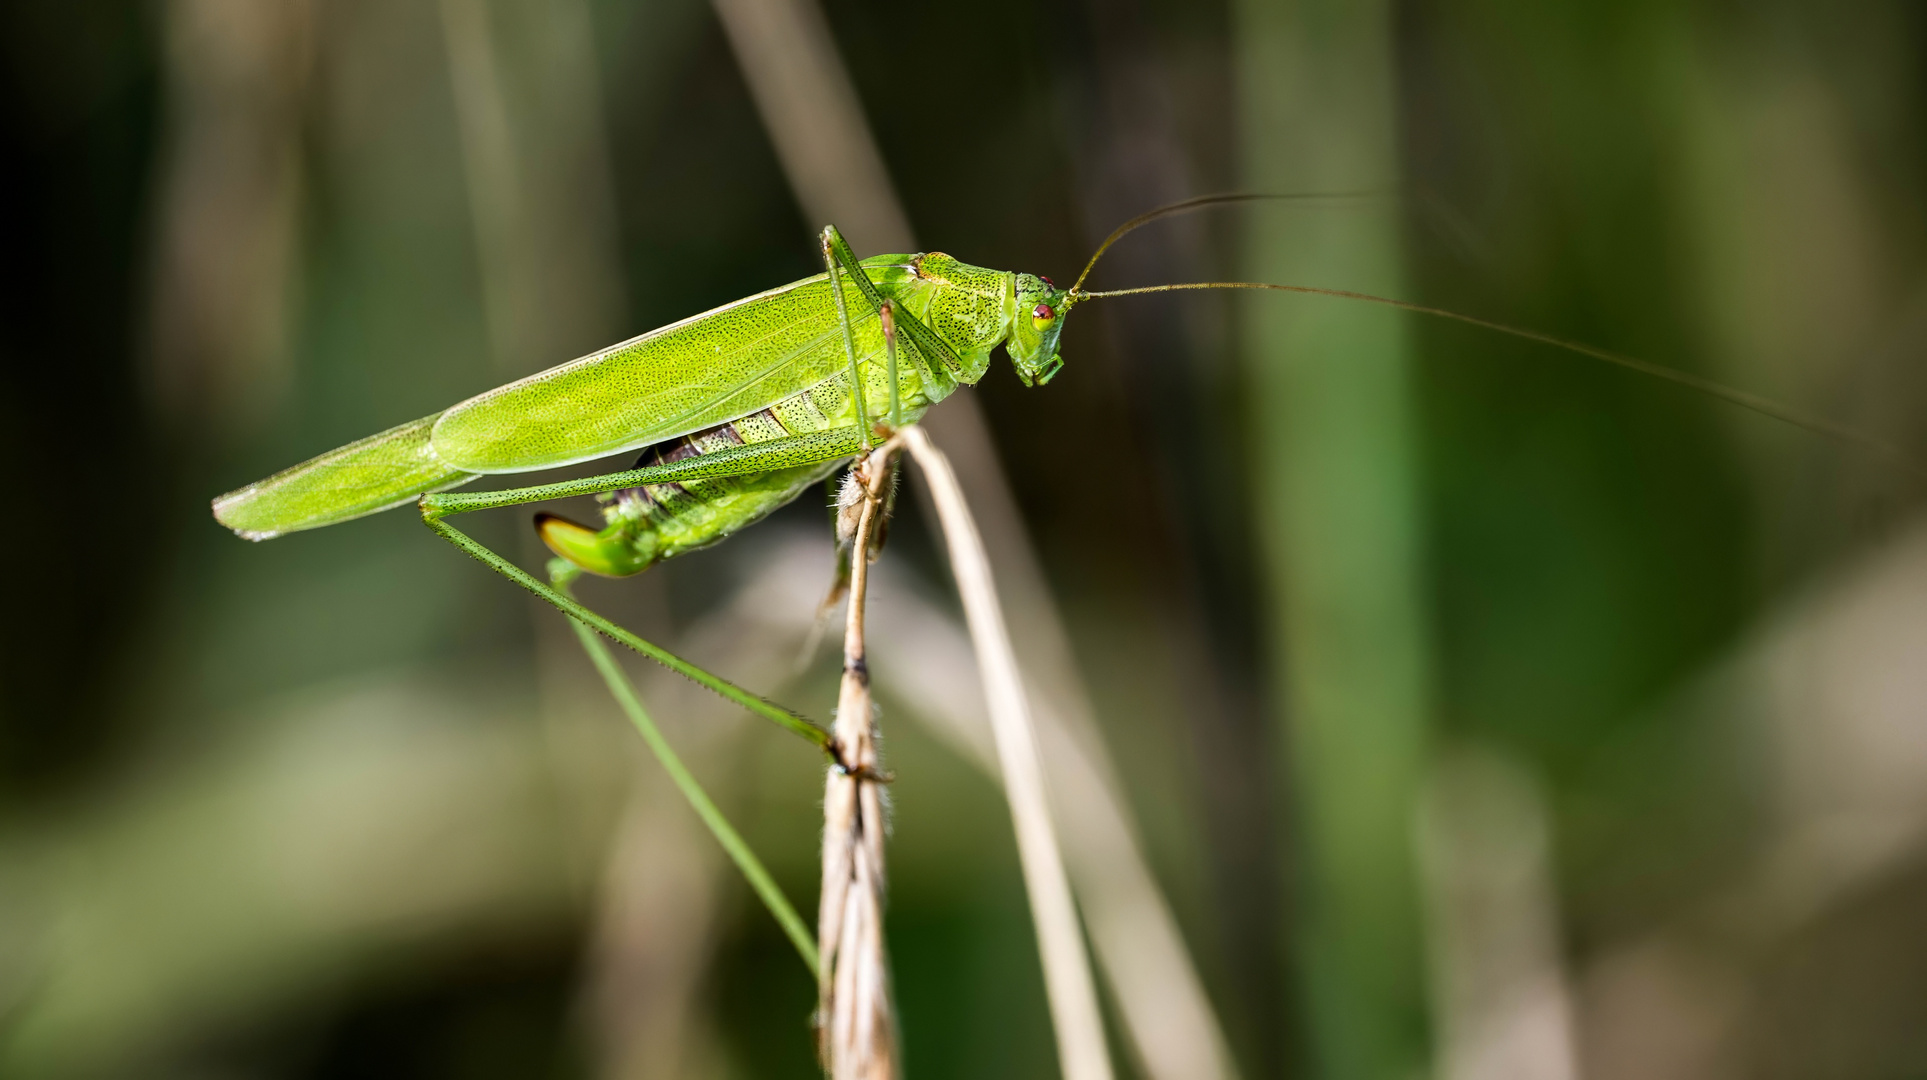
(703, 371)
(379, 472)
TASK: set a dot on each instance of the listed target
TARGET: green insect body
(737, 411)
(652, 522)
(767, 369)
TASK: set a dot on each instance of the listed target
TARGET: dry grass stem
(923, 660)
(856, 1027)
(1081, 1049)
(1161, 1002)
(815, 120)
(795, 74)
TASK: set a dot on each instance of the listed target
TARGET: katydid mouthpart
(740, 409)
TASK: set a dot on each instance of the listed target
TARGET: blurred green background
(1480, 711)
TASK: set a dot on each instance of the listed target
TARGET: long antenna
(1765, 406)
(1199, 202)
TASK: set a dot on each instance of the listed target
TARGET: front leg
(927, 341)
(831, 241)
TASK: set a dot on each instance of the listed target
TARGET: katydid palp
(740, 409)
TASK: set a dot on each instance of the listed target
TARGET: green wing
(703, 371)
(361, 478)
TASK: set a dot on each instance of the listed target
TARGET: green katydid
(739, 410)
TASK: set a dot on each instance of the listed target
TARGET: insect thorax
(970, 307)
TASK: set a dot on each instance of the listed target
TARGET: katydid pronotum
(740, 409)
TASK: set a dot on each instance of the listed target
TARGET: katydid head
(1038, 321)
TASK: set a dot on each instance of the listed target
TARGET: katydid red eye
(1047, 281)
(1042, 311)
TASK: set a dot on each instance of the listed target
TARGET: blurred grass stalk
(231, 188)
(535, 163)
(1501, 1004)
(540, 186)
(1083, 1051)
(1338, 521)
(541, 193)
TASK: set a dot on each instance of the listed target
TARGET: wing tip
(229, 510)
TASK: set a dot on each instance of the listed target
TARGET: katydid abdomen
(652, 522)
